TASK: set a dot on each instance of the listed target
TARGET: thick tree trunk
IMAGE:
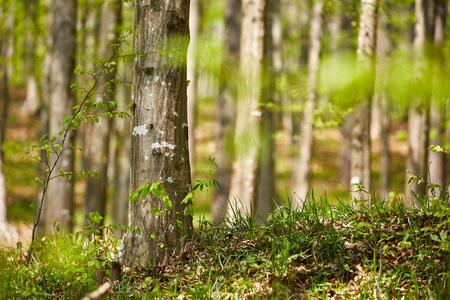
(418, 117)
(436, 160)
(59, 201)
(226, 107)
(246, 166)
(302, 166)
(98, 134)
(159, 142)
(361, 146)
(194, 29)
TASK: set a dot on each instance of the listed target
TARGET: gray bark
(59, 201)
(302, 166)
(226, 108)
(361, 145)
(98, 134)
(246, 166)
(159, 142)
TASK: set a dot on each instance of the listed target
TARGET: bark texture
(418, 116)
(360, 144)
(302, 165)
(245, 170)
(159, 141)
(59, 201)
(226, 107)
(98, 134)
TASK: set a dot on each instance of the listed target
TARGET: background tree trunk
(194, 29)
(246, 164)
(226, 107)
(302, 166)
(418, 116)
(361, 145)
(266, 185)
(98, 134)
(159, 143)
(436, 160)
(59, 201)
(381, 102)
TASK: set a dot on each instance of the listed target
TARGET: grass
(321, 251)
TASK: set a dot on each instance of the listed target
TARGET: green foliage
(62, 265)
(316, 252)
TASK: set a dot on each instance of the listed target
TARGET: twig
(101, 291)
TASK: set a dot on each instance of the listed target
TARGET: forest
(224, 149)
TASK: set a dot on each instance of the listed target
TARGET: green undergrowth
(321, 251)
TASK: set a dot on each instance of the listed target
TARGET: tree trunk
(360, 151)
(381, 101)
(436, 160)
(226, 108)
(98, 134)
(302, 167)
(246, 164)
(266, 185)
(194, 28)
(159, 142)
(119, 166)
(418, 117)
(45, 110)
(59, 201)
(32, 101)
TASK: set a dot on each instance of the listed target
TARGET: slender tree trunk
(59, 202)
(418, 117)
(159, 142)
(45, 110)
(194, 28)
(120, 162)
(381, 101)
(436, 160)
(32, 101)
(361, 146)
(246, 164)
(266, 185)
(303, 166)
(226, 107)
(98, 135)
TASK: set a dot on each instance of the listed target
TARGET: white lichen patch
(140, 130)
(161, 132)
(163, 83)
(170, 179)
(163, 144)
(156, 78)
(167, 154)
(256, 113)
(175, 114)
(146, 157)
(171, 228)
(184, 125)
